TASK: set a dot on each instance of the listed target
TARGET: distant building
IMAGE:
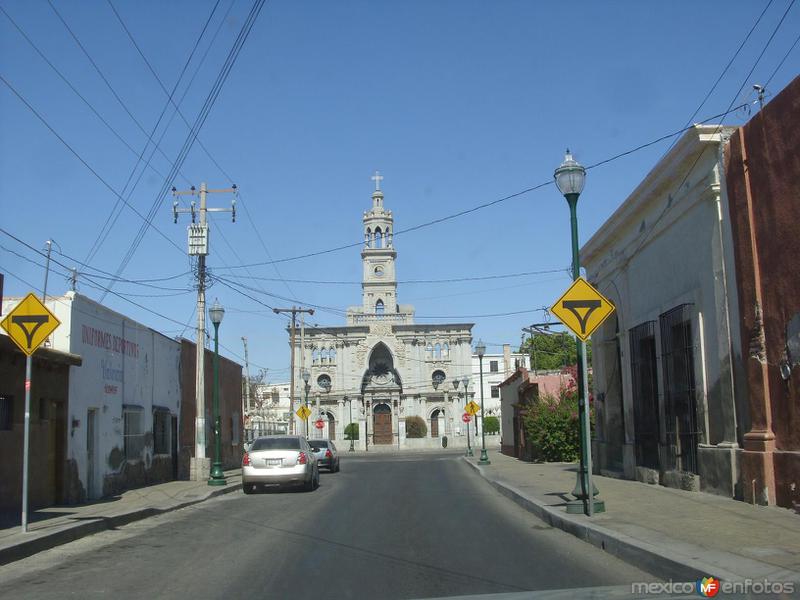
(271, 412)
(517, 394)
(381, 367)
(496, 369)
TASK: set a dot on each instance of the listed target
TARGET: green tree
(553, 352)
(416, 427)
(552, 428)
(351, 432)
(491, 425)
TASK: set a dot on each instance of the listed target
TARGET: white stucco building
(381, 367)
(124, 401)
(271, 413)
(496, 369)
(669, 406)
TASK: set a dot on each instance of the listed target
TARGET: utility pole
(47, 269)
(294, 310)
(200, 465)
(246, 399)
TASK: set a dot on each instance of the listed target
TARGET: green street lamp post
(352, 447)
(306, 377)
(570, 178)
(484, 460)
(215, 313)
(465, 381)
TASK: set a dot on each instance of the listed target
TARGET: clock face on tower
(378, 271)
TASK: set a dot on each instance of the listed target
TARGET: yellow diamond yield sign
(29, 324)
(303, 412)
(472, 408)
(582, 308)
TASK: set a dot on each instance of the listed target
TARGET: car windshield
(318, 443)
(277, 443)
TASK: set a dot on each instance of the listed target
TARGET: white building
(271, 413)
(381, 367)
(124, 401)
(496, 369)
(669, 406)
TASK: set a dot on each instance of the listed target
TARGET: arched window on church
(446, 351)
(324, 355)
(429, 351)
(378, 238)
(332, 355)
(314, 356)
(388, 237)
(368, 237)
(379, 307)
(437, 351)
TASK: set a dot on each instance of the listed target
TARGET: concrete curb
(46, 541)
(648, 557)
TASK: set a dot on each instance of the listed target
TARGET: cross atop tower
(377, 178)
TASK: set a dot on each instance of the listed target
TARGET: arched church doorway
(382, 424)
(435, 423)
(331, 427)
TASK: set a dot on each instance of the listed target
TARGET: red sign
(466, 418)
(319, 423)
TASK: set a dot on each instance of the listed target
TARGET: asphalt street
(389, 526)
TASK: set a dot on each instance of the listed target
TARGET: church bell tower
(379, 283)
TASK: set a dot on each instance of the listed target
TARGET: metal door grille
(645, 394)
(680, 404)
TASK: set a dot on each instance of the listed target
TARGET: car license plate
(274, 462)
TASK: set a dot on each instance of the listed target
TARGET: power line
(81, 159)
(415, 281)
(198, 124)
(485, 204)
(652, 228)
(114, 215)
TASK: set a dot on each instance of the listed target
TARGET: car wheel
(308, 486)
(337, 466)
(249, 488)
(316, 480)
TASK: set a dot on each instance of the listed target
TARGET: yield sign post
(28, 325)
(582, 308)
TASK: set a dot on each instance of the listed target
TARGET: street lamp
(465, 380)
(306, 377)
(350, 402)
(570, 178)
(215, 313)
(480, 348)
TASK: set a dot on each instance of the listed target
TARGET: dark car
(326, 453)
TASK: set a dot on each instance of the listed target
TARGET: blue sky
(457, 103)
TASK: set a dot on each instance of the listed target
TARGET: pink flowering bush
(552, 427)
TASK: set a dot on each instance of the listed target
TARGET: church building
(380, 367)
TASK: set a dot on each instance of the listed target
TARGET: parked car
(280, 460)
(326, 453)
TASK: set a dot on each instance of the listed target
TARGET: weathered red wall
(230, 402)
(771, 143)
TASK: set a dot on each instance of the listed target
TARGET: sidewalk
(670, 533)
(56, 525)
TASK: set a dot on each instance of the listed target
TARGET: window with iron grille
(493, 367)
(162, 431)
(133, 428)
(680, 404)
(6, 413)
(644, 376)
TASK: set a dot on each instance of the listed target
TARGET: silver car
(279, 460)
(326, 453)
